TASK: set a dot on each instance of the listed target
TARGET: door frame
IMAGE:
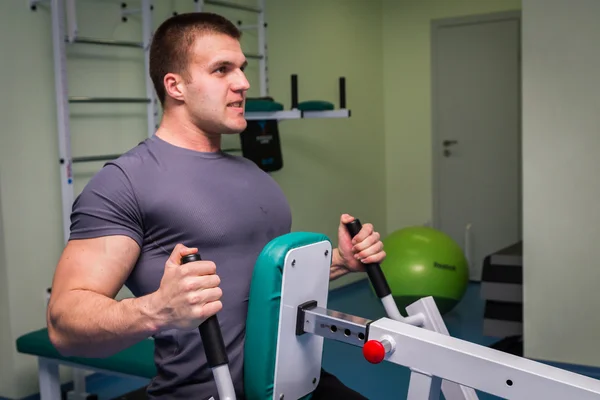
(435, 132)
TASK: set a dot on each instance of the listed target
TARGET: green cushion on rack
(261, 105)
(136, 360)
(315, 105)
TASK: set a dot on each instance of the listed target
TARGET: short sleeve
(107, 206)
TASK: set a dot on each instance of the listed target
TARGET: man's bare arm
(83, 317)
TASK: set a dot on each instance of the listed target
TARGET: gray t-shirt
(160, 195)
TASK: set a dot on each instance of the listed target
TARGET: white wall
(561, 143)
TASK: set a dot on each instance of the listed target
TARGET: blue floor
(382, 381)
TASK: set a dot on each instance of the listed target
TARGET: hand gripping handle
(374, 271)
(210, 331)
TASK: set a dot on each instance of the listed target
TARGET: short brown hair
(169, 51)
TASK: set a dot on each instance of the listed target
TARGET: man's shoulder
(137, 162)
(121, 171)
(136, 156)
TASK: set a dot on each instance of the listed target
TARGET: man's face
(216, 91)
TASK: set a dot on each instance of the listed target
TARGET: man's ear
(174, 86)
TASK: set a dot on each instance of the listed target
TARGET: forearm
(338, 268)
(87, 324)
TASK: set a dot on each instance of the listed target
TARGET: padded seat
(264, 303)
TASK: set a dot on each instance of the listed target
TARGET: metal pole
(71, 21)
(227, 4)
(62, 113)
(106, 42)
(106, 157)
(254, 56)
(109, 100)
(152, 108)
(262, 49)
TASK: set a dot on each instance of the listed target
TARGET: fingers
(208, 310)
(367, 245)
(199, 282)
(368, 241)
(191, 268)
(365, 232)
(205, 303)
(198, 268)
(346, 218)
(180, 251)
(204, 296)
(373, 255)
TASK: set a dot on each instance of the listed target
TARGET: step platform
(502, 291)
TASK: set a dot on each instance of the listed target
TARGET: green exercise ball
(421, 262)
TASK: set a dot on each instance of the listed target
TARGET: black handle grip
(294, 91)
(342, 92)
(210, 331)
(374, 271)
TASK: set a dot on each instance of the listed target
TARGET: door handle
(449, 142)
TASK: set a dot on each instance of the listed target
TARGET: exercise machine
(288, 321)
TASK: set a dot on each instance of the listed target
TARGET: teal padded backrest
(263, 313)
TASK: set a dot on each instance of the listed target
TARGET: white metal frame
(438, 362)
(152, 108)
(62, 104)
(65, 31)
(433, 355)
(280, 115)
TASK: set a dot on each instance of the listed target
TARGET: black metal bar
(109, 100)
(294, 91)
(232, 5)
(106, 42)
(33, 4)
(342, 92)
(106, 157)
(253, 56)
(210, 331)
(109, 157)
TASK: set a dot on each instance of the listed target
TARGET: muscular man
(174, 194)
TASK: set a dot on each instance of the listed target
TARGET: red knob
(374, 351)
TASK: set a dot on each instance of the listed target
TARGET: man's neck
(181, 132)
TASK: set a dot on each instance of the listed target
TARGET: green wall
(331, 166)
(375, 165)
(30, 204)
(407, 100)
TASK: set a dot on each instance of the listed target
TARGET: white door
(476, 72)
